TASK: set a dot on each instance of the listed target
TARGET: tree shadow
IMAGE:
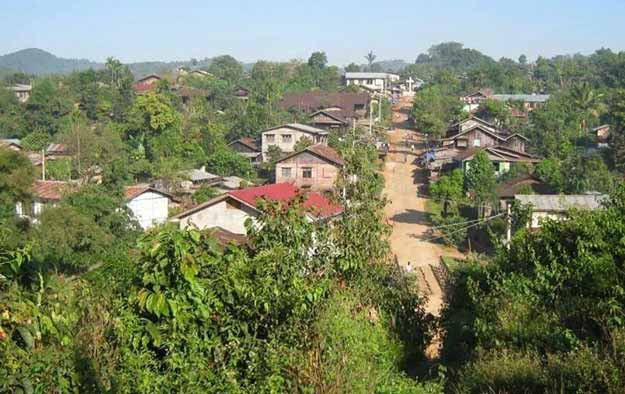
(412, 216)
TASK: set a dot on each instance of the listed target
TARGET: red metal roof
(315, 203)
(49, 190)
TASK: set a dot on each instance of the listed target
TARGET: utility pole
(43, 165)
(509, 225)
(370, 118)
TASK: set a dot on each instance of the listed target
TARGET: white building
(555, 207)
(377, 82)
(149, 206)
(22, 92)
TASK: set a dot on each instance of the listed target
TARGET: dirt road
(407, 214)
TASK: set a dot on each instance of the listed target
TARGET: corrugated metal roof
(198, 175)
(367, 75)
(541, 202)
(528, 98)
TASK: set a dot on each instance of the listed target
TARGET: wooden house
(316, 167)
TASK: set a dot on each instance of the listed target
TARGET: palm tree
(370, 58)
(588, 103)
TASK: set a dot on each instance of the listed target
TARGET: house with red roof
(149, 206)
(146, 83)
(44, 193)
(315, 168)
(231, 210)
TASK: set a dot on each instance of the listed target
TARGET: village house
(556, 207)
(57, 151)
(148, 205)
(45, 193)
(379, 82)
(465, 138)
(316, 168)
(475, 133)
(248, 147)
(11, 143)
(601, 135)
(328, 110)
(231, 210)
(21, 91)
(529, 102)
(286, 137)
(526, 184)
(146, 84)
(472, 101)
(501, 157)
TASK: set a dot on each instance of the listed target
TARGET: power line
(464, 228)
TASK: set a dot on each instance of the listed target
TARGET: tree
(588, 103)
(352, 67)
(480, 181)
(302, 144)
(449, 189)
(433, 110)
(227, 68)
(370, 59)
(226, 162)
(318, 60)
(523, 60)
(17, 175)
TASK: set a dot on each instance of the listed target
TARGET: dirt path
(406, 212)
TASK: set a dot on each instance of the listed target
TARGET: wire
(464, 228)
(455, 224)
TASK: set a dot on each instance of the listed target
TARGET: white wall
(221, 214)
(149, 209)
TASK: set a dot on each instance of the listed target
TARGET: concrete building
(315, 168)
(231, 210)
(374, 81)
(286, 137)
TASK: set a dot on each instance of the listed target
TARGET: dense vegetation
(90, 304)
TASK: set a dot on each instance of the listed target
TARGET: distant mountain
(38, 62)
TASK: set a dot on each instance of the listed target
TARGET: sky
(142, 30)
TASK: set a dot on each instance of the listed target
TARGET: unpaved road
(407, 214)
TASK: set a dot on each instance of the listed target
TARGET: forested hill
(39, 62)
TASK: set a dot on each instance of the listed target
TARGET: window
(307, 172)
(476, 142)
(358, 107)
(369, 81)
(286, 172)
(270, 138)
(287, 138)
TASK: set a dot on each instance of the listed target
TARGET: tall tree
(370, 59)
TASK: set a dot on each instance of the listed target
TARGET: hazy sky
(138, 30)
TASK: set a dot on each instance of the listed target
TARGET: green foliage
(302, 144)
(433, 109)
(226, 162)
(548, 312)
(16, 177)
(204, 194)
(480, 180)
